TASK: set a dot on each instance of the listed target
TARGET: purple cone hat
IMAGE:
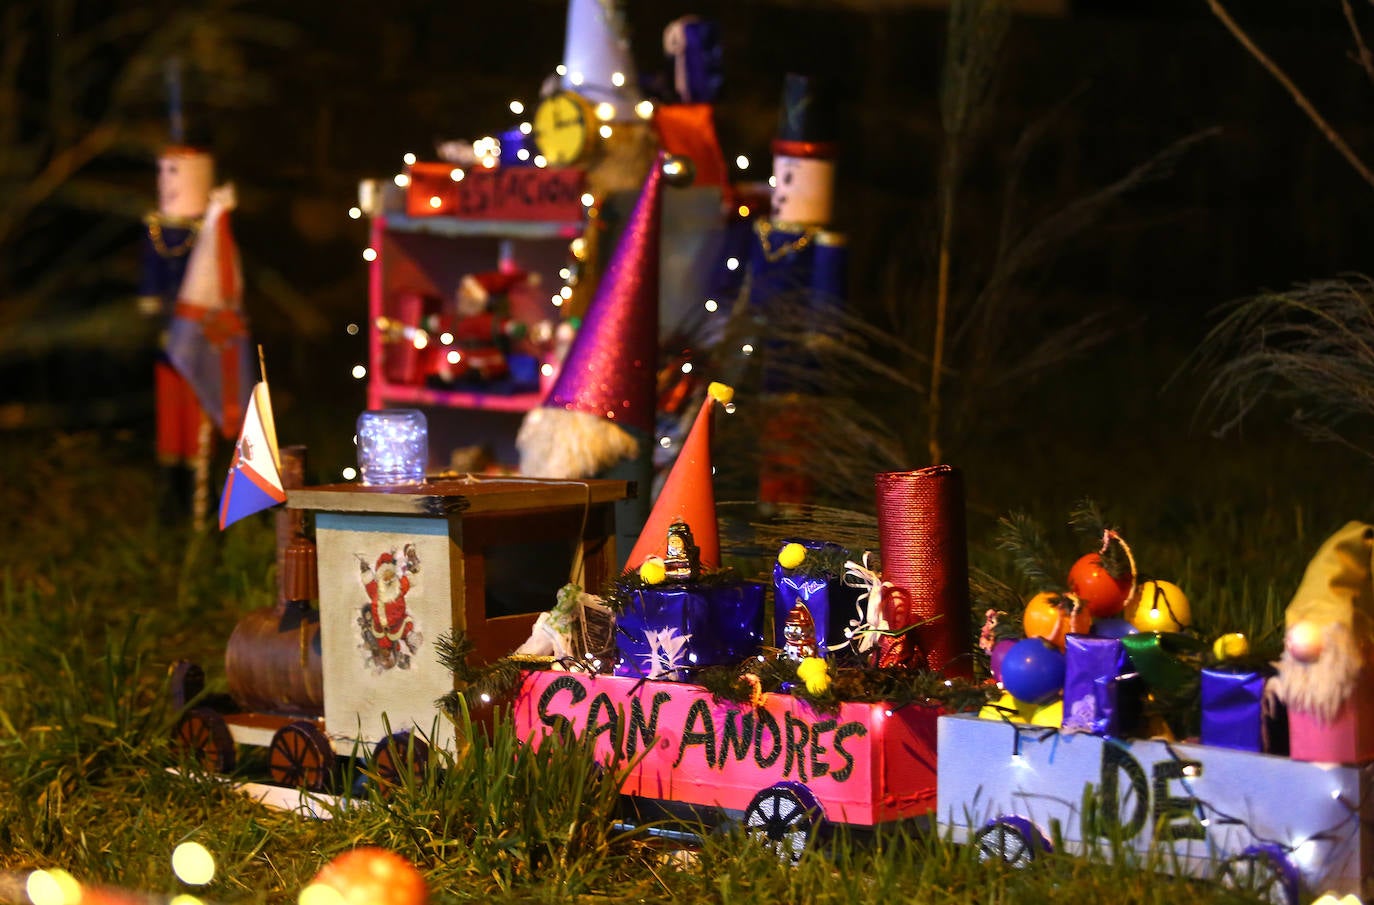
(607, 383)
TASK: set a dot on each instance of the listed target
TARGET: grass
(97, 601)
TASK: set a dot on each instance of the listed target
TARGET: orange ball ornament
(1103, 594)
(367, 876)
(1050, 616)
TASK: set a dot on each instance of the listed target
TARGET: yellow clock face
(563, 125)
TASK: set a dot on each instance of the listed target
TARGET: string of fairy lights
(486, 154)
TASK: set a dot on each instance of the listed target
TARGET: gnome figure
(1329, 628)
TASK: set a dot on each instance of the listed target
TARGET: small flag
(254, 482)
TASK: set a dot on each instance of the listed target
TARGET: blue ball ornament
(1033, 671)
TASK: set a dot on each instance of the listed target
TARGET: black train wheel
(784, 817)
(203, 735)
(1014, 841)
(301, 757)
(400, 759)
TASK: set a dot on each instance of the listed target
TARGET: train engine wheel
(1012, 840)
(202, 734)
(784, 817)
(1262, 871)
(400, 759)
(301, 757)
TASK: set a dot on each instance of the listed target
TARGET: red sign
(503, 193)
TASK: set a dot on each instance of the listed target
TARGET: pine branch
(1019, 535)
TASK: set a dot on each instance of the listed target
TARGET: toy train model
(399, 567)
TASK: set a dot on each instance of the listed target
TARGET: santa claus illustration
(390, 635)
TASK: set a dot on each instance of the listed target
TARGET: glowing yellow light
(401, 179)
(604, 131)
(526, 128)
(587, 199)
(354, 213)
(193, 864)
(409, 159)
(369, 254)
(420, 340)
(747, 349)
(711, 305)
(53, 887)
(453, 357)
(557, 301)
(445, 338)
(320, 894)
(564, 273)
(349, 473)
(578, 247)
(744, 210)
(605, 111)
(359, 372)
(686, 367)
(456, 174)
(565, 292)
(561, 69)
(742, 162)
(351, 329)
(489, 162)
(575, 78)
(732, 263)
(618, 79)
(540, 162)
(517, 108)
(436, 202)
(644, 109)
(546, 369)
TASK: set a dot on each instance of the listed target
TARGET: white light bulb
(539, 161)
(732, 263)
(747, 349)
(686, 367)
(564, 273)
(729, 408)
(604, 131)
(409, 159)
(546, 369)
(453, 357)
(618, 79)
(526, 128)
(355, 213)
(588, 199)
(605, 111)
(445, 339)
(456, 174)
(436, 202)
(523, 154)
(575, 78)
(644, 109)
(665, 442)
(349, 473)
(351, 329)
(772, 182)
(517, 108)
(369, 254)
(711, 305)
(359, 372)
(742, 162)
(561, 69)
(401, 179)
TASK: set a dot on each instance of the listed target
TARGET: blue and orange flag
(254, 482)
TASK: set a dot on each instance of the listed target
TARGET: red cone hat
(688, 495)
(608, 379)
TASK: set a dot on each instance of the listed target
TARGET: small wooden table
(401, 566)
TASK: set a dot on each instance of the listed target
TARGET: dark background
(342, 90)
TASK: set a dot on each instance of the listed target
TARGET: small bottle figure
(682, 559)
(799, 634)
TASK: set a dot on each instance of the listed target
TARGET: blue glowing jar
(393, 446)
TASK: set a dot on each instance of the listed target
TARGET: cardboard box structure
(865, 764)
(1204, 805)
(400, 567)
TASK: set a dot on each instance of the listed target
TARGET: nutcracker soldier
(190, 283)
(795, 256)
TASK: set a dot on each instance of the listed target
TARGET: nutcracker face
(184, 178)
(804, 190)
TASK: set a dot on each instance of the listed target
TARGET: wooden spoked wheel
(1014, 841)
(784, 817)
(187, 680)
(398, 759)
(301, 757)
(203, 735)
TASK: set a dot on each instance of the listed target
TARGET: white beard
(388, 589)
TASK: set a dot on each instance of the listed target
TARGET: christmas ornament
(799, 634)
(368, 876)
(681, 558)
(998, 655)
(1052, 616)
(1231, 646)
(815, 674)
(1160, 606)
(1033, 671)
(791, 555)
(653, 570)
(1101, 592)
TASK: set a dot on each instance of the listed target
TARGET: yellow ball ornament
(1160, 606)
(653, 571)
(815, 674)
(791, 555)
(1231, 646)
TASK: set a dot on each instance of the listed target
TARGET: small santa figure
(388, 627)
